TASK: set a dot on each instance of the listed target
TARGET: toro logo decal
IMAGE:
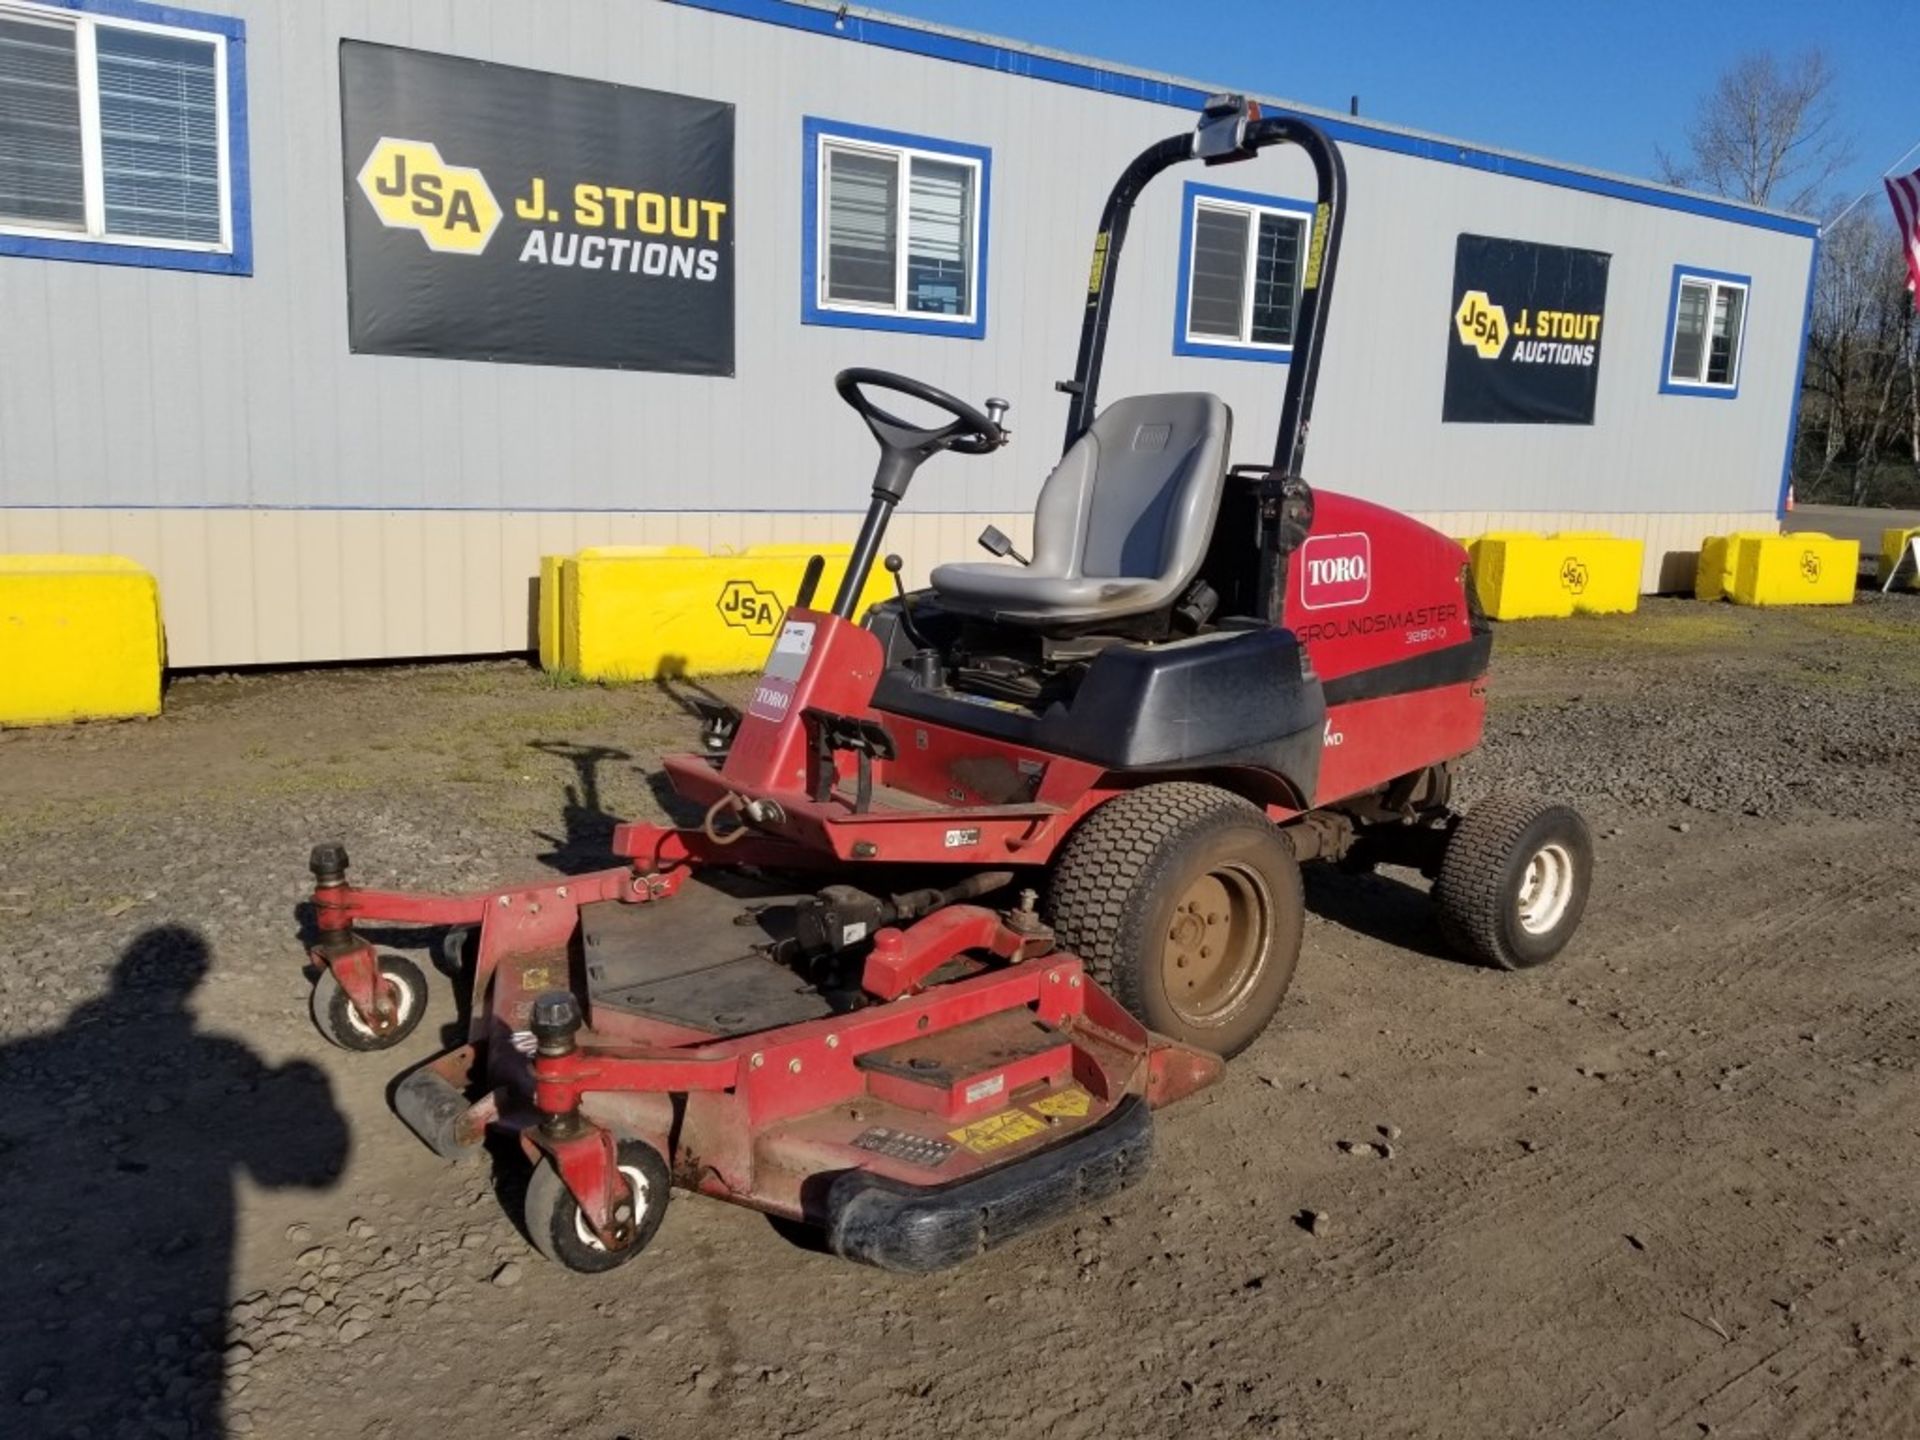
(1336, 570)
(746, 606)
(411, 188)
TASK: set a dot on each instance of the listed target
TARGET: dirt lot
(1665, 1186)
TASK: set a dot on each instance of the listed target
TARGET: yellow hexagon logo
(411, 188)
(747, 607)
(1481, 324)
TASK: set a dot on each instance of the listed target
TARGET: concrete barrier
(1893, 544)
(559, 585)
(1713, 576)
(80, 639)
(643, 612)
(1519, 575)
(1762, 569)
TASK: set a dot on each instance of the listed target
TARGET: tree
(1767, 133)
(1859, 408)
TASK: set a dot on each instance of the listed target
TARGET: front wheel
(334, 1015)
(1185, 902)
(1513, 881)
(560, 1231)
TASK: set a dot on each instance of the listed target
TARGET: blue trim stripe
(893, 35)
(238, 260)
(1670, 386)
(812, 131)
(1189, 202)
(1799, 381)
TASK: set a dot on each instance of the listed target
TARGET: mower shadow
(1379, 906)
(129, 1132)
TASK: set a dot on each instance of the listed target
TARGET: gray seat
(1122, 523)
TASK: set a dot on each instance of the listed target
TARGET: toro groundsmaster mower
(986, 880)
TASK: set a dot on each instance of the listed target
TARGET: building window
(895, 231)
(1706, 326)
(120, 124)
(1241, 261)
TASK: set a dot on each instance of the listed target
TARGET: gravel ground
(1661, 1187)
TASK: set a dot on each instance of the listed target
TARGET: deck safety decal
(1069, 1104)
(996, 1132)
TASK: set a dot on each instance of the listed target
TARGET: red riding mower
(986, 880)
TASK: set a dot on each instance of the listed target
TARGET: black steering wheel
(905, 446)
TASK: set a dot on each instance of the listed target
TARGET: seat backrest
(1136, 495)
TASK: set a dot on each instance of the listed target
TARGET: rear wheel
(1185, 903)
(1513, 881)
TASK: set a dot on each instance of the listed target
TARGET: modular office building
(338, 315)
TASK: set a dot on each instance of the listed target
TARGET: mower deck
(967, 1083)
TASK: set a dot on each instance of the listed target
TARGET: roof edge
(970, 47)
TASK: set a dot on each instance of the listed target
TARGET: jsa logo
(1336, 570)
(412, 188)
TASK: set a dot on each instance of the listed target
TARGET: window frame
(1213, 347)
(816, 308)
(233, 254)
(1716, 281)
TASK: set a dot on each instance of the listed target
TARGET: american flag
(1904, 191)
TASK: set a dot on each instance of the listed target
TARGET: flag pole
(1870, 189)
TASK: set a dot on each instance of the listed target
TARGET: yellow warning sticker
(536, 977)
(1317, 246)
(1098, 271)
(996, 1132)
(1070, 1103)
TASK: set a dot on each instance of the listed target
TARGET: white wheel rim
(403, 1002)
(1546, 887)
(637, 1183)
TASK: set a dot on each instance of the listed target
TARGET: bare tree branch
(1767, 133)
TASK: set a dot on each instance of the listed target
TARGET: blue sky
(1599, 83)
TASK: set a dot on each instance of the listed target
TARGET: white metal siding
(224, 405)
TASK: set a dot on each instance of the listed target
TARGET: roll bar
(1231, 128)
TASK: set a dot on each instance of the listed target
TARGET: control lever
(997, 412)
(994, 541)
(893, 564)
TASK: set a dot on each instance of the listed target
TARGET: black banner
(495, 213)
(1523, 340)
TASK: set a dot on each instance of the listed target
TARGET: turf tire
(1114, 887)
(1484, 871)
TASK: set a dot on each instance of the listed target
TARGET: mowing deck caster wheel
(335, 1017)
(561, 1233)
(1185, 902)
(1513, 881)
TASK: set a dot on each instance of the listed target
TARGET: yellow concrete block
(1795, 570)
(1719, 555)
(1516, 573)
(552, 568)
(1893, 544)
(1602, 571)
(638, 617)
(79, 639)
(558, 584)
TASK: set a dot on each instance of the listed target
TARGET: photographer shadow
(123, 1140)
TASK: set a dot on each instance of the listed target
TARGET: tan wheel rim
(1216, 943)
